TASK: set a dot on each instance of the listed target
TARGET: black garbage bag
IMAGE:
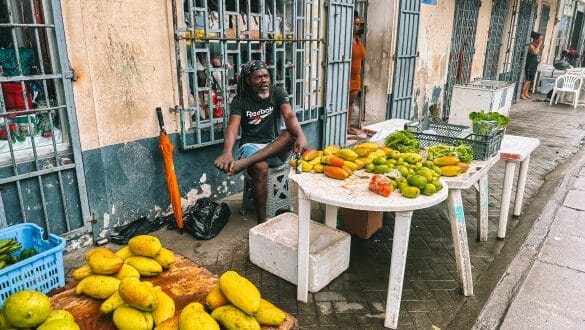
(140, 226)
(206, 218)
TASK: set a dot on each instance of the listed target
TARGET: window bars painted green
(213, 38)
(494, 43)
(41, 173)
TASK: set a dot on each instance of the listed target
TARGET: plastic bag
(206, 218)
(140, 226)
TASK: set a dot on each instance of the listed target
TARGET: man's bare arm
(225, 161)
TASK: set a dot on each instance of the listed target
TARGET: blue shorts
(248, 149)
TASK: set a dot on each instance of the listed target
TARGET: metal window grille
(462, 48)
(41, 175)
(499, 12)
(215, 37)
(405, 60)
(544, 16)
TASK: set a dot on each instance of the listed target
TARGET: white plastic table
(353, 193)
(515, 149)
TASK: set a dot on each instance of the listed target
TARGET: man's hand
(300, 143)
(225, 162)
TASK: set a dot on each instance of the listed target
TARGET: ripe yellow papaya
(352, 166)
(113, 302)
(194, 317)
(60, 314)
(360, 151)
(146, 266)
(105, 263)
(166, 258)
(240, 292)
(128, 318)
(98, 286)
(127, 271)
(347, 154)
(268, 314)
(215, 298)
(59, 324)
(450, 170)
(332, 160)
(169, 324)
(125, 253)
(331, 150)
(446, 161)
(233, 318)
(82, 272)
(370, 146)
(310, 154)
(145, 245)
(366, 160)
(98, 251)
(335, 172)
(318, 168)
(138, 295)
(165, 306)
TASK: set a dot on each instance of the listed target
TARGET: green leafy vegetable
(462, 151)
(485, 123)
(403, 141)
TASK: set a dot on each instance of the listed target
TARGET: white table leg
(331, 216)
(506, 194)
(521, 185)
(482, 209)
(459, 233)
(397, 266)
(303, 247)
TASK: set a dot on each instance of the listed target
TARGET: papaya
(166, 258)
(332, 160)
(113, 302)
(335, 172)
(58, 324)
(268, 314)
(318, 168)
(306, 167)
(82, 272)
(450, 170)
(105, 263)
(316, 160)
(98, 250)
(194, 317)
(310, 154)
(125, 253)
(365, 160)
(360, 151)
(60, 314)
(128, 318)
(331, 150)
(127, 271)
(146, 266)
(359, 164)
(347, 154)
(370, 146)
(352, 166)
(240, 292)
(386, 150)
(165, 306)
(231, 317)
(138, 295)
(145, 245)
(464, 166)
(98, 286)
(169, 324)
(215, 298)
(446, 161)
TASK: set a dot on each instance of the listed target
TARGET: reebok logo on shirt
(256, 117)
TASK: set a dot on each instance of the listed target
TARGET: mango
(446, 161)
(145, 245)
(60, 314)
(127, 271)
(409, 191)
(386, 150)
(361, 152)
(310, 154)
(335, 172)
(369, 168)
(347, 154)
(194, 317)
(113, 302)
(331, 150)
(268, 314)
(59, 324)
(428, 189)
(450, 170)
(128, 318)
(231, 317)
(138, 295)
(146, 266)
(98, 286)
(125, 253)
(240, 292)
(215, 298)
(166, 258)
(82, 272)
(417, 180)
(332, 160)
(306, 167)
(365, 160)
(26, 309)
(370, 146)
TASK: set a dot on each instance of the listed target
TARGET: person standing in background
(358, 53)
(532, 60)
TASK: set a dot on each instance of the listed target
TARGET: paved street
(431, 292)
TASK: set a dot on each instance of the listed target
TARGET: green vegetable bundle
(486, 123)
(462, 151)
(403, 141)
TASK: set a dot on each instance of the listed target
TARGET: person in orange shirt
(358, 52)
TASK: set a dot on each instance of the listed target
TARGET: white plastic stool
(278, 197)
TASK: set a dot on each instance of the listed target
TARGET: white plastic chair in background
(567, 83)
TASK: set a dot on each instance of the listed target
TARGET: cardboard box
(273, 247)
(361, 223)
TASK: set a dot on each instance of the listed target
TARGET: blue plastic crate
(43, 271)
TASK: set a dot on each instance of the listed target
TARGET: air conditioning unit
(486, 95)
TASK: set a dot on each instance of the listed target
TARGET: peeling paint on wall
(78, 243)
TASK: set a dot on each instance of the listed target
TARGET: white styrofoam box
(274, 246)
(546, 85)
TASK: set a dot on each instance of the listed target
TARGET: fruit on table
(268, 314)
(194, 317)
(240, 292)
(137, 294)
(98, 286)
(409, 191)
(128, 318)
(99, 250)
(26, 309)
(360, 151)
(145, 245)
(127, 271)
(233, 318)
(215, 298)
(352, 166)
(60, 314)
(381, 185)
(332, 160)
(125, 253)
(316, 160)
(428, 189)
(347, 154)
(146, 266)
(450, 170)
(318, 168)
(170, 324)
(331, 150)
(113, 302)
(365, 160)
(464, 167)
(310, 154)
(165, 307)
(446, 160)
(306, 167)
(417, 180)
(105, 262)
(335, 172)
(60, 324)
(82, 272)
(379, 161)
(166, 258)
(380, 169)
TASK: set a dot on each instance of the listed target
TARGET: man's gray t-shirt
(260, 119)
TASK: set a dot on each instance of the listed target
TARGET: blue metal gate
(544, 15)
(339, 33)
(42, 179)
(405, 60)
(462, 48)
(494, 44)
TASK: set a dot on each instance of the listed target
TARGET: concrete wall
(481, 38)
(434, 41)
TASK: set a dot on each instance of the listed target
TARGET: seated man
(257, 108)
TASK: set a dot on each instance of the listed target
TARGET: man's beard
(263, 95)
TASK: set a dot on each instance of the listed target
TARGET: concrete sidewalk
(431, 291)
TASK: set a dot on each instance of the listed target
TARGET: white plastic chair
(567, 83)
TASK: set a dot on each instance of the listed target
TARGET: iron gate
(405, 60)
(544, 16)
(462, 48)
(213, 38)
(494, 44)
(339, 33)
(41, 173)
